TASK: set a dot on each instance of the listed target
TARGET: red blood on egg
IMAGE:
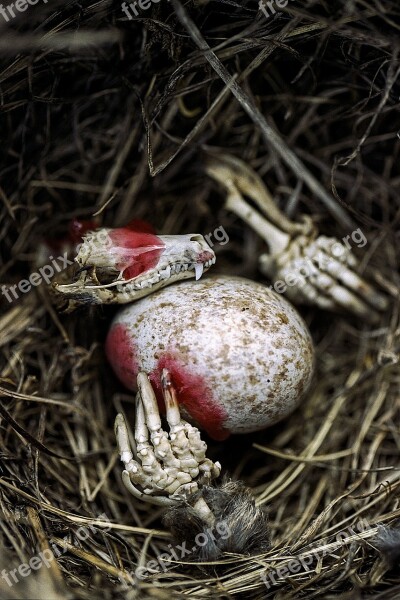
(193, 394)
(121, 353)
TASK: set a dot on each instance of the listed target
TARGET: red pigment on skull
(204, 256)
(136, 251)
(121, 354)
(193, 394)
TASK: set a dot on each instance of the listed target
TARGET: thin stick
(54, 570)
(271, 136)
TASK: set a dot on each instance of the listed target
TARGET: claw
(332, 282)
(171, 404)
(149, 401)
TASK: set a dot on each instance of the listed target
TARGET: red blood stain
(193, 394)
(136, 251)
(121, 353)
(204, 256)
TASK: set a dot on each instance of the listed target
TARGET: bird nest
(113, 114)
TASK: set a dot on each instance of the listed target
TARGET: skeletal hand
(314, 269)
(168, 467)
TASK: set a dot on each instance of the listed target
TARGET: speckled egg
(240, 356)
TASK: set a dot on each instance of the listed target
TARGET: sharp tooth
(177, 268)
(173, 268)
(185, 267)
(198, 268)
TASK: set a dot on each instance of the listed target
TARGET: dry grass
(84, 94)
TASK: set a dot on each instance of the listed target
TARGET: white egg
(240, 356)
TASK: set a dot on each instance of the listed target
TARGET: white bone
(149, 401)
(164, 466)
(171, 404)
(331, 282)
(98, 251)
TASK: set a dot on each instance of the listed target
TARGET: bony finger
(141, 431)
(149, 401)
(171, 403)
(353, 281)
(122, 435)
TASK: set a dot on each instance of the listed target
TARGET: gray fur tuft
(246, 529)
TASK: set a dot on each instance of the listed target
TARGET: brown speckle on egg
(239, 354)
